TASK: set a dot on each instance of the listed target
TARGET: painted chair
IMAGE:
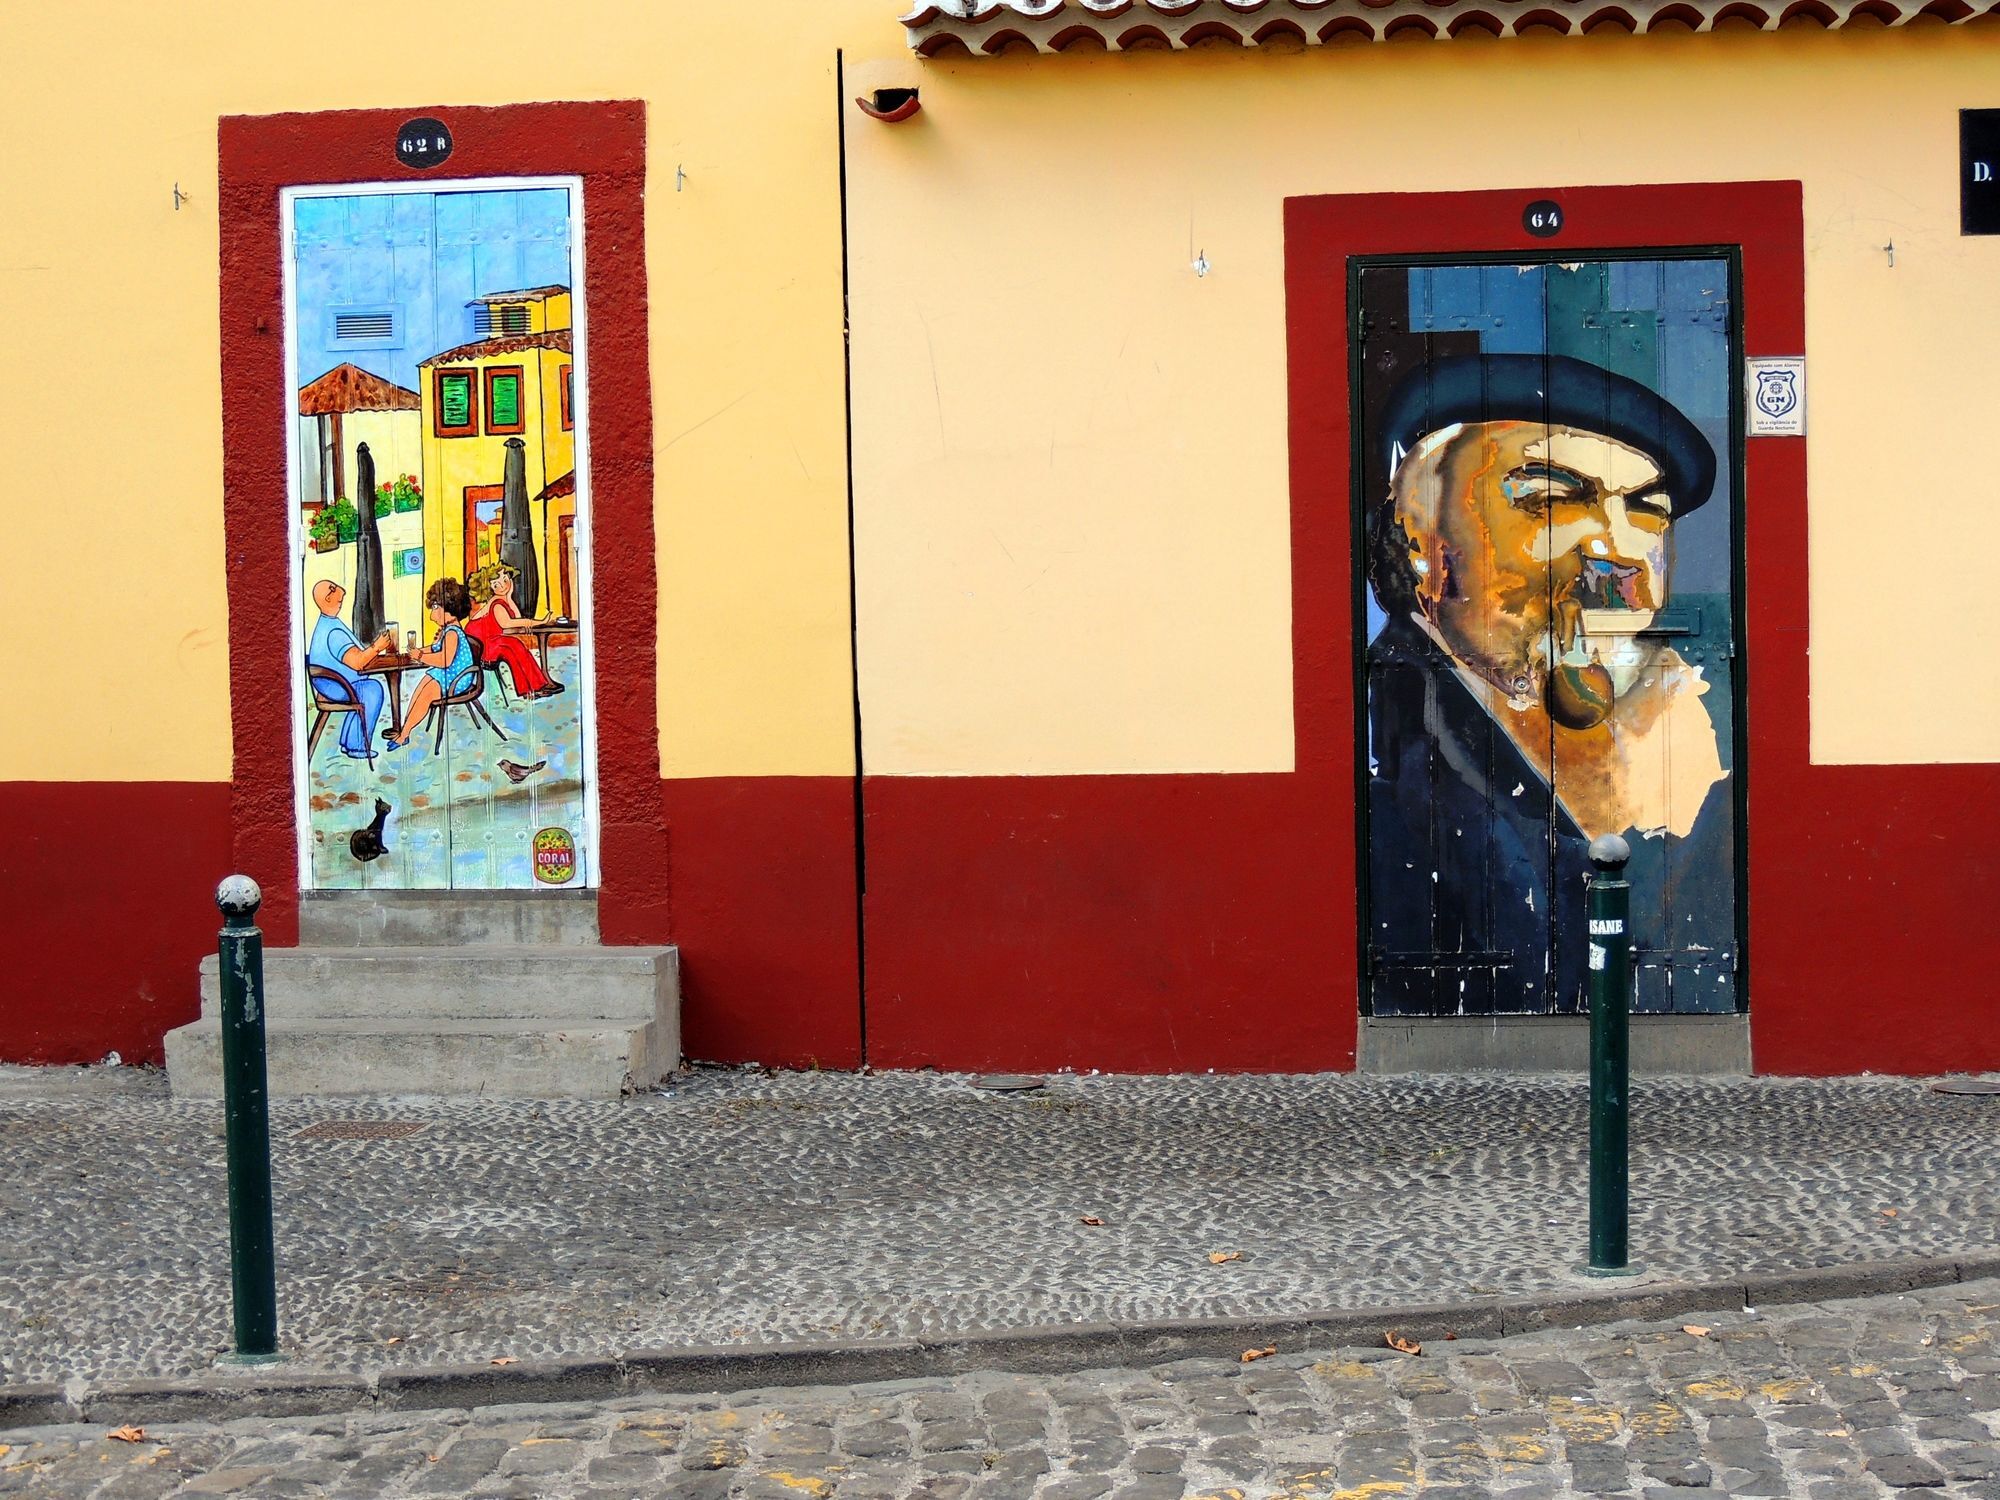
(499, 679)
(467, 697)
(321, 682)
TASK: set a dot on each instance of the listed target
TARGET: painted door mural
(1547, 531)
(444, 733)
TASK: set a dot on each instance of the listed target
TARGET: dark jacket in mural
(1472, 860)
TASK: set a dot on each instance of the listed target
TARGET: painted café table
(391, 665)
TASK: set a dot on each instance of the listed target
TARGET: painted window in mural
(443, 678)
(1547, 535)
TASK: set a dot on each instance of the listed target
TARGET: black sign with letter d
(1979, 171)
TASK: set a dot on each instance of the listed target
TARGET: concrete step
(520, 1059)
(559, 984)
(422, 919)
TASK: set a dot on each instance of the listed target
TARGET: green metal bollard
(1608, 908)
(247, 1117)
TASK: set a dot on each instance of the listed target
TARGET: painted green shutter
(455, 400)
(504, 396)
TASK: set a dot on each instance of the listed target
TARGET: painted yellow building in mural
(513, 386)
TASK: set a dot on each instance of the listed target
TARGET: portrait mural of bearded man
(1537, 672)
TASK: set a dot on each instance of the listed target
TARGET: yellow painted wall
(1069, 451)
(125, 517)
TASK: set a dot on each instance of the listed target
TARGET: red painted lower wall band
(109, 889)
(1129, 923)
(1137, 923)
(761, 886)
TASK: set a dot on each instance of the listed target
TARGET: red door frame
(1764, 219)
(605, 145)
(1853, 902)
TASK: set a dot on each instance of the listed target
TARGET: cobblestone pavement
(741, 1207)
(1826, 1401)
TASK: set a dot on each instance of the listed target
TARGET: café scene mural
(442, 667)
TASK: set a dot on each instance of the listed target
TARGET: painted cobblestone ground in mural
(1835, 1401)
(740, 1207)
(464, 811)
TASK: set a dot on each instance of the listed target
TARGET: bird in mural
(366, 843)
(518, 773)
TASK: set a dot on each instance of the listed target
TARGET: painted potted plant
(335, 524)
(404, 493)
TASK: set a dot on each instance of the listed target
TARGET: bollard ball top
(238, 895)
(1609, 852)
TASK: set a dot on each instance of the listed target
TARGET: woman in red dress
(490, 625)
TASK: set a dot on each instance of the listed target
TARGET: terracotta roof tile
(992, 26)
(349, 388)
(511, 343)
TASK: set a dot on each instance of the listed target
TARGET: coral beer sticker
(555, 856)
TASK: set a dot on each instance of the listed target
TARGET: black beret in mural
(1562, 392)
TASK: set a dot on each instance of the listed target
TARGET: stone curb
(1036, 1351)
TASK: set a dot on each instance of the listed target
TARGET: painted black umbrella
(517, 537)
(368, 611)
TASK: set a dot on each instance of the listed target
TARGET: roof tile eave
(525, 294)
(987, 27)
(513, 343)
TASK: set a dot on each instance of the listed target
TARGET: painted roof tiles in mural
(349, 388)
(512, 343)
(994, 26)
(557, 488)
(527, 294)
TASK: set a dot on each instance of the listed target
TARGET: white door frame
(580, 413)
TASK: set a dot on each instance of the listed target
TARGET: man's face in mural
(1514, 530)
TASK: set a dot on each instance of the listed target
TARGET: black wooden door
(1547, 538)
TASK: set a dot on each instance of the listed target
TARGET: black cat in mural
(366, 843)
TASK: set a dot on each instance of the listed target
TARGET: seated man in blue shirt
(335, 650)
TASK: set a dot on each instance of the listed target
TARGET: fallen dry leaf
(1889, 1213)
(1250, 1356)
(1092, 1220)
(1696, 1329)
(1400, 1344)
(396, 1340)
(1221, 1257)
(506, 1359)
(127, 1434)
